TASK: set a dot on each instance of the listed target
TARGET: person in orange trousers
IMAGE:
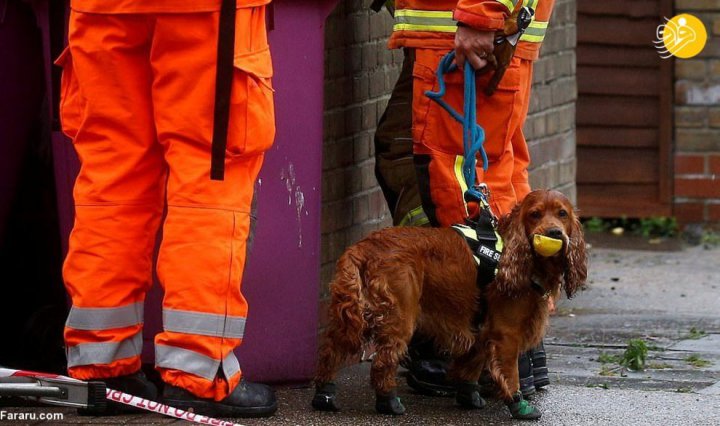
(427, 30)
(138, 91)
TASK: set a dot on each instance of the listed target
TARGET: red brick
(686, 213)
(323, 312)
(714, 164)
(697, 188)
(689, 164)
(714, 213)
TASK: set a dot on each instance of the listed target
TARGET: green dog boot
(522, 410)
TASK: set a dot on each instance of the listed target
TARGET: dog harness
(485, 243)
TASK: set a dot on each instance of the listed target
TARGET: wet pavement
(670, 299)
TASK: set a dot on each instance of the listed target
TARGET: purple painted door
(281, 281)
(283, 274)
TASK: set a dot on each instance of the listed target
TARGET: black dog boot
(389, 404)
(539, 363)
(521, 409)
(325, 397)
(525, 370)
(468, 396)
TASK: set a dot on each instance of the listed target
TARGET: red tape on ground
(156, 407)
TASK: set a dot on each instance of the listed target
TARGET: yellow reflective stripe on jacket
(510, 4)
(425, 20)
(443, 22)
(535, 33)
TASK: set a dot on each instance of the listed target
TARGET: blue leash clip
(473, 134)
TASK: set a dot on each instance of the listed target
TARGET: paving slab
(670, 299)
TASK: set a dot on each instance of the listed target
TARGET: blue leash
(473, 134)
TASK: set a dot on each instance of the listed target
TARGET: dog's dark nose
(556, 233)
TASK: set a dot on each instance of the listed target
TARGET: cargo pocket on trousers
(252, 109)
(434, 129)
(71, 100)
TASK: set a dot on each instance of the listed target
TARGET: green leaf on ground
(658, 366)
(695, 334)
(605, 358)
(697, 362)
(635, 355)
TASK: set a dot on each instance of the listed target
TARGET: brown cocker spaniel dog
(399, 280)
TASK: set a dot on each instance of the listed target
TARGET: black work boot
(427, 370)
(325, 398)
(525, 371)
(248, 399)
(539, 363)
(521, 409)
(134, 384)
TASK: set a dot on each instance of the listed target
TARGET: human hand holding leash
(474, 46)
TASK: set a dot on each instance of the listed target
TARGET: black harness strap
(487, 241)
(223, 87)
(481, 238)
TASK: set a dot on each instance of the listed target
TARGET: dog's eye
(535, 214)
(563, 213)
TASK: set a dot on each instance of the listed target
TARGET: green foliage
(683, 389)
(595, 224)
(635, 355)
(658, 226)
(658, 366)
(599, 385)
(607, 371)
(605, 358)
(651, 227)
(696, 361)
(710, 239)
(696, 334)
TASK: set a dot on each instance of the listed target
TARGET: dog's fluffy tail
(344, 334)
(347, 305)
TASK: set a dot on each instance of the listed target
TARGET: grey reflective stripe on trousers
(214, 325)
(104, 352)
(188, 361)
(105, 318)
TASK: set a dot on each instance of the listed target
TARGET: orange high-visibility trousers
(438, 140)
(137, 100)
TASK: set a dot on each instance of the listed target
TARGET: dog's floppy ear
(515, 269)
(576, 268)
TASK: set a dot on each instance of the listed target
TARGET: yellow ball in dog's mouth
(546, 246)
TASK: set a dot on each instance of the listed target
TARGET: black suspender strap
(377, 5)
(223, 87)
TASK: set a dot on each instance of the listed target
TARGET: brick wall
(360, 74)
(697, 122)
(550, 127)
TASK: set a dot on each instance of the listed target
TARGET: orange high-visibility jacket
(155, 6)
(432, 23)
